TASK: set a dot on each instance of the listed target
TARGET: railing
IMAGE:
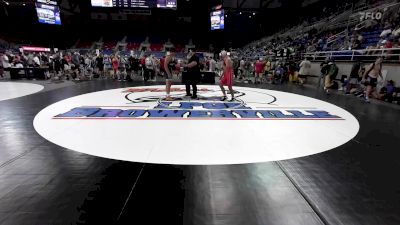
(389, 54)
(337, 36)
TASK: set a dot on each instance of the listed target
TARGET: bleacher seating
(179, 48)
(108, 52)
(333, 34)
(371, 38)
(84, 44)
(156, 47)
(108, 44)
(133, 42)
(133, 46)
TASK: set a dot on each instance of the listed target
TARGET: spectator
(57, 65)
(5, 61)
(279, 74)
(247, 69)
(122, 74)
(156, 69)
(88, 64)
(17, 64)
(100, 65)
(75, 64)
(30, 60)
(354, 75)
(267, 68)
(311, 48)
(387, 93)
(356, 44)
(36, 61)
(305, 67)
(259, 70)
(149, 68)
(242, 68)
(387, 30)
(142, 65)
(331, 76)
(1, 66)
(371, 78)
(115, 66)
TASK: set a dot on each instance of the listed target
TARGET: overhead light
(7, 3)
(23, 4)
(240, 13)
(226, 15)
(254, 13)
(250, 17)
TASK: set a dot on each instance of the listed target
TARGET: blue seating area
(83, 51)
(371, 38)
(108, 52)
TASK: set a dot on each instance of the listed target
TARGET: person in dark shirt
(57, 64)
(324, 70)
(330, 77)
(387, 93)
(354, 75)
(100, 65)
(131, 63)
(356, 45)
(193, 74)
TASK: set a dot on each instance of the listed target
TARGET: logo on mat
(150, 103)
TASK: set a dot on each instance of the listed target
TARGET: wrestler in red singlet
(115, 64)
(227, 76)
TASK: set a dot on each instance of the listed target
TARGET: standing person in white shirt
(88, 70)
(5, 61)
(36, 61)
(305, 67)
(242, 68)
(169, 65)
(30, 60)
(149, 68)
(122, 69)
(156, 65)
(212, 65)
(2, 66)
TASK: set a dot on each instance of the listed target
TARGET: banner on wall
(35, 49)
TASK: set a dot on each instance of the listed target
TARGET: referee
(193, 76)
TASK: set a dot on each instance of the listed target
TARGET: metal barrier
(389, 54)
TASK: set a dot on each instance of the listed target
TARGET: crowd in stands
(370, 36)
